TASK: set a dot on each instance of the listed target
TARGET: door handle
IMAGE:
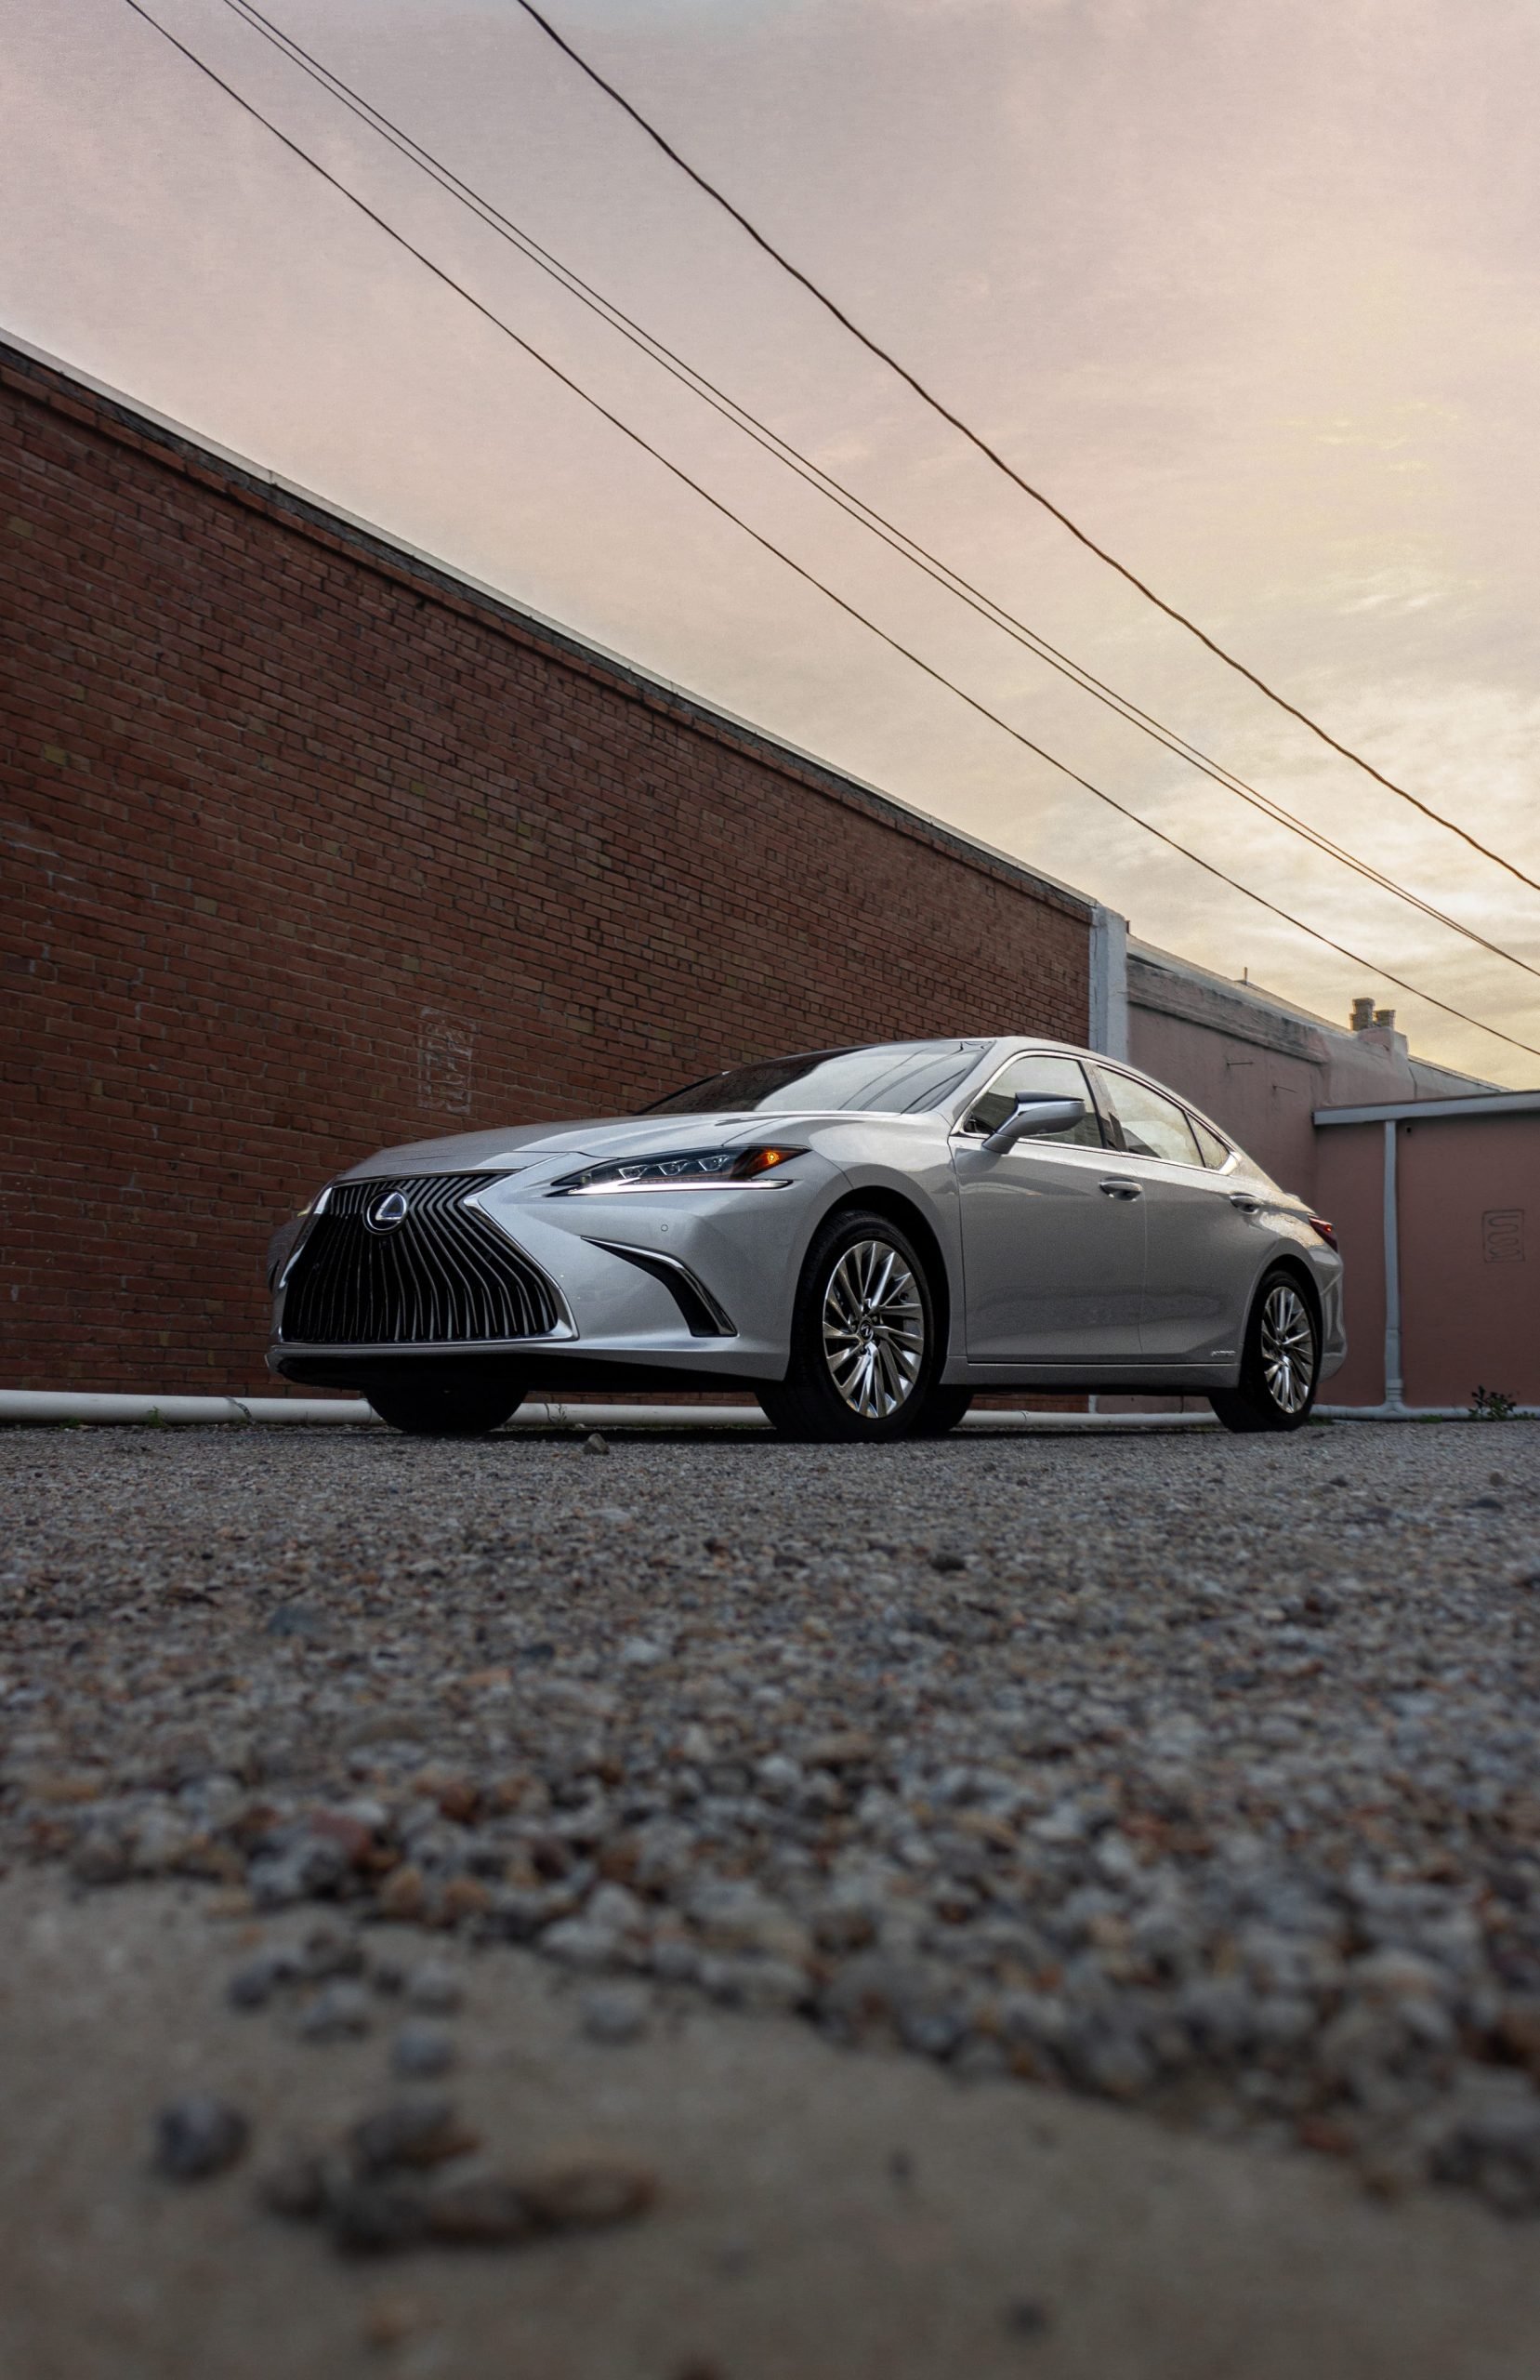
(1244, 1203)
(1118, 1187)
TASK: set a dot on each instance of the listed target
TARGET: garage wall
(313, 846)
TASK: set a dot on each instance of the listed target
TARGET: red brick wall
(313, 848)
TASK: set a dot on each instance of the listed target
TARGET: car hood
(613, 1136)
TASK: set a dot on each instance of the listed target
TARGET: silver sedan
(866, 1238)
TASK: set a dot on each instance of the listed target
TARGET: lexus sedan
(866, 1238)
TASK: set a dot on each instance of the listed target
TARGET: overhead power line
(927, 396)
(909, 548)
(780, 554)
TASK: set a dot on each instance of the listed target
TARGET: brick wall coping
(64, 388)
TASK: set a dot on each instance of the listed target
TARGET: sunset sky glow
(1249, 289)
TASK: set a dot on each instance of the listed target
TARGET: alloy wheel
(874, 1329)
(1287, 1349)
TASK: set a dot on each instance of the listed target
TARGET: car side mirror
(1034, 1113)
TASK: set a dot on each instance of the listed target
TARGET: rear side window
(1055, 1078)
(1149, 1124)
(1214, 1151)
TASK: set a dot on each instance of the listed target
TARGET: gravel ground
(1186, 1771)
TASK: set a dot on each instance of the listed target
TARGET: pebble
(1214, 1789)
(484, 2212)
(416, 2131)
(588, 2192)
(370, 2216)
(198, 2137)
(339, 2012)
(433, 1990)
(422, 2050)
(616, 2013)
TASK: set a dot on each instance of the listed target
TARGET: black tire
(448, 1408)
(881, 1337)
(942, 1411)
(1282, 1338)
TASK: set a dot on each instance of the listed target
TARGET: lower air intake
(407, 1263)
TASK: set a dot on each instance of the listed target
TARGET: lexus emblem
(389, 1211)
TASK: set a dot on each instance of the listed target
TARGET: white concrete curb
(39, 1405)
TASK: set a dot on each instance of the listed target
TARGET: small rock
(422, 2050)
(434, 1989)
(252, 1986)
(422, 2130)
(576, 1943)
(298, 1619)
(339, 2012)
(404, 1895)
(588, 2191)
(484, 2213)
(198, 2137)
(101, 1859)
(849, 1748)
(371, 2216)
(305, 1872)
(330, 1950)
(594, 1444)
(615, 2014)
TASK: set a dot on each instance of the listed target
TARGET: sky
(1248, 290)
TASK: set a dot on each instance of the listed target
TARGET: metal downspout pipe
(1394, 1388)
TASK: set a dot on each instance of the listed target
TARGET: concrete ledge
(19, 1405)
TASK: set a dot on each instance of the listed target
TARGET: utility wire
(927, 397)
(901, 542)
(781, 555)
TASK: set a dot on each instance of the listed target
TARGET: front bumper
(665, 1282)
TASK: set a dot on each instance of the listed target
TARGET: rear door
(1053, 1230)
(1203, 1249)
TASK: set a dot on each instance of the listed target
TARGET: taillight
(1327, 1231)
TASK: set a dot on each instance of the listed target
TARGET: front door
(1203, 1246)
(1053, 1232)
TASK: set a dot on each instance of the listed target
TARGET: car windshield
(895, 1078)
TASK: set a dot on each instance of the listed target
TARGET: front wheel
(942, 1410)
(1279, 1364)
(449, 1408)
(863, 1355)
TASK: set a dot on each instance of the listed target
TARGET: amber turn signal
(755, 1161)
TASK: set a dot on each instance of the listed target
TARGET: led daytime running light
(681, 1169)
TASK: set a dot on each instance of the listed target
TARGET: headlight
(681, 1169)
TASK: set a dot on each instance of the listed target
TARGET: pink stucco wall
(1468, 1209)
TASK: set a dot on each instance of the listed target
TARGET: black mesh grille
(442, 1273)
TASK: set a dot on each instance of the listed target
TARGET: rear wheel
(1280, 1365)
(449, 1408)
(863, 1353)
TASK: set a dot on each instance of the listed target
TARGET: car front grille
(442, 1273)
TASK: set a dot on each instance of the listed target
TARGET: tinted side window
(1151, 1126)
(1054, 1078)
(1214, 1151)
